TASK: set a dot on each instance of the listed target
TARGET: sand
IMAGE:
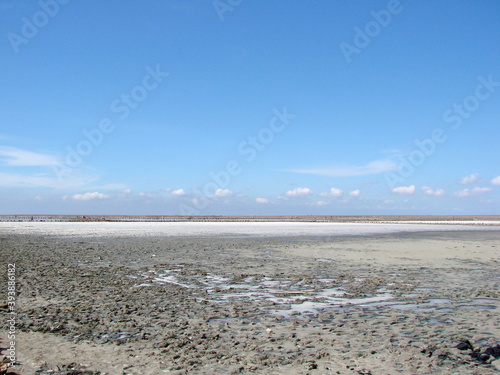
(234, 229)
(270, 299)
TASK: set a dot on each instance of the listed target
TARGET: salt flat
(224, 229)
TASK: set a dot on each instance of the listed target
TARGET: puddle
(171, 280)
(220, 320)
(476, 307)
(484, 300)
(280, 296)
(434, 304)
(439, 301)
(445, 311)
(303, 297)
(411, 295)
(328, 299)
(441, 305)
(289, 298)
(412, 307)
(434, 321)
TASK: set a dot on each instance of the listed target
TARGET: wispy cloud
(468, 192)
(113, 186)
(15, 157)
(43, 180)
(469, 179)
(262, 200)
(374, 167)
(42, 175)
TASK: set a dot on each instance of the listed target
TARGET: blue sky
(249, 107)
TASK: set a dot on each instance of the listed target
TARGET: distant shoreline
(480, 219)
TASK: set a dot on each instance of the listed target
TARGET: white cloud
(43, 180)
(469, 179)
(404, 190)
(178, 192)
(127, 191)
(481, 190)
(298, 192)
(113, 187)
(15, 157)
(463, 193)
(433, 192)
(374, 167)
(38, 198)
(334, 192)
(150, 195)
(321, 203)
(468, 192)
(11, 179)
(355, 193)
(89, 196)
(223, 193)
(496, 180)
(262, 200)
(108, 187)
(50, 174)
